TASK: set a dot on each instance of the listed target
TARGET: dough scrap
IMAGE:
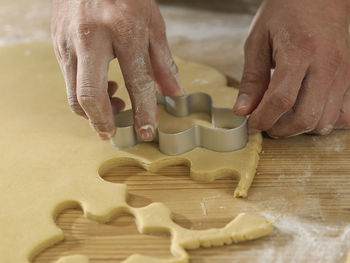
(156, 218)
(50, 160)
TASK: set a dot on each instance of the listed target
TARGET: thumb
(256, 74)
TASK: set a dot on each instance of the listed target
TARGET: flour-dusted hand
(307, 43)
(88, 34)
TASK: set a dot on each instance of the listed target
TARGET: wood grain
(307, 177)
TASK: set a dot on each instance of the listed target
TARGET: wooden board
(302, 181)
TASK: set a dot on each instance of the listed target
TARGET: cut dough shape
(50, 159)
(156, 218)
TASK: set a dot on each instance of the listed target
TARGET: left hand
(307, 43)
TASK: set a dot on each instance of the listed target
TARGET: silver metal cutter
(228, 132)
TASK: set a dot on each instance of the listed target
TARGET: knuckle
(64, 50)
(281, 100)
(144, 100)
(72, 101)
(257, 123)
(101, 125)
(125, 24)
(299, 55)
(125, 27)
(140, 87)
(87, 96)
(333, 59)
(74, 105)
(84, 31)
(251, 78)
(126, 10)
(141, 80)
(306, 122)
(299, 49)
(306, 45)
(60, 40)
(124, 30)
(87, 101)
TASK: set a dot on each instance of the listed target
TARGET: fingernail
(253, 131)
(105, 135)
(147, 133)
(241, 103)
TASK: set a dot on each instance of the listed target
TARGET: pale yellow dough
(50, 160)
(74, 259)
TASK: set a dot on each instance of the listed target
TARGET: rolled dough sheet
(74, 259)
(50, 160)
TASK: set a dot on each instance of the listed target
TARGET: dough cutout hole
(194, 204)
(112, 242)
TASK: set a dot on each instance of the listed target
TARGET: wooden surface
(302, 183)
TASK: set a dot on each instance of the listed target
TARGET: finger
(310, 104)
(164, 68)
(343, 121)
(256, 73)
(117, 105)
(71, 88)
(280, 96)
(68, 64)
(112, 88)
(138, 76)
(92, 85)
(334, 103)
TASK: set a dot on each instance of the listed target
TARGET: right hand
(307, 43)
(88, 34)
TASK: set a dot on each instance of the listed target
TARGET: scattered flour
(310, 242)
(204, 208)
(335, 143)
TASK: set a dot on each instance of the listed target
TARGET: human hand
(88, 34)
(307, 43)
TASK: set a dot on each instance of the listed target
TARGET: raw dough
(74, 259)
(50, 160)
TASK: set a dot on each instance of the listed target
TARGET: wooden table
(302, 183)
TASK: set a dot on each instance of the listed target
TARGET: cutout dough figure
(50, 160)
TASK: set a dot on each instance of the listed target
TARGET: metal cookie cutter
(228, 132)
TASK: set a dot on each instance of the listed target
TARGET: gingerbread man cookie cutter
(228, 132)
